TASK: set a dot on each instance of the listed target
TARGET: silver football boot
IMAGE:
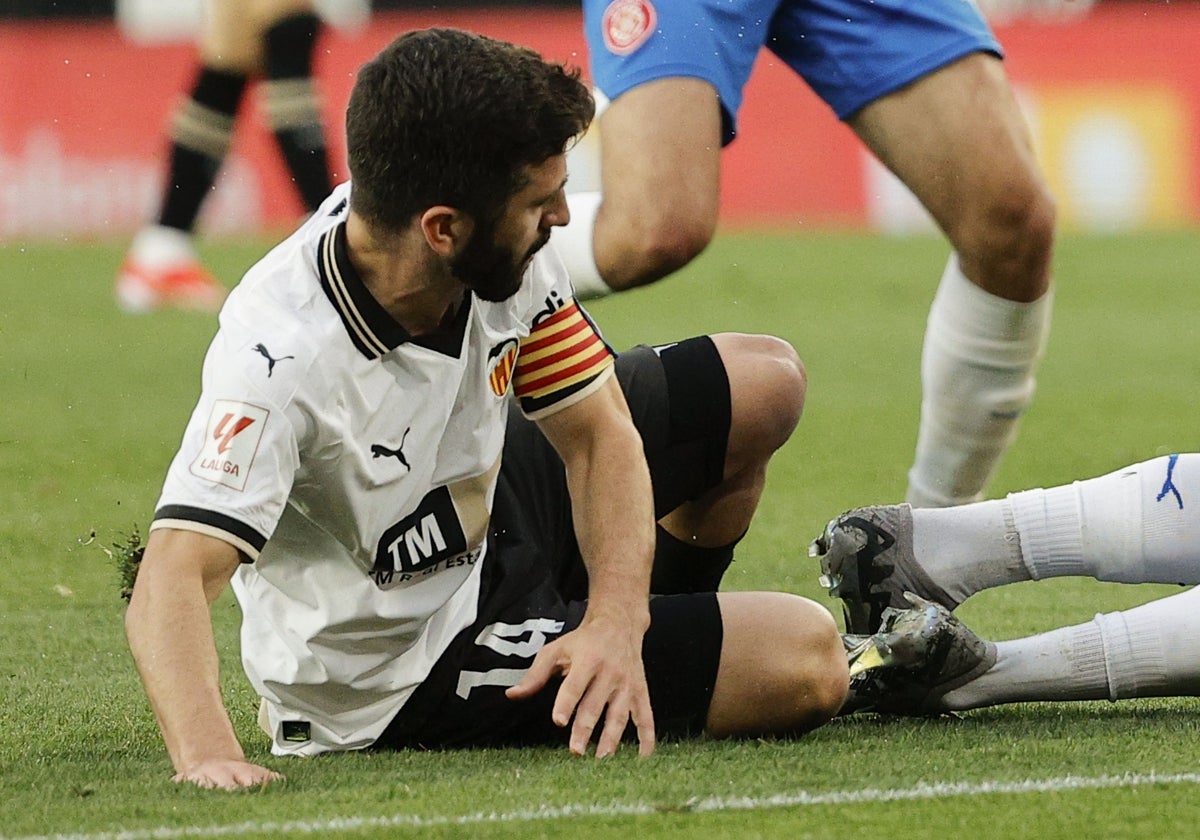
(918, 656)
(867, 560)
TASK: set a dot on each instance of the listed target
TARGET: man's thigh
(953, 137)
(851, 52)
(231, 36)
(660, 156)
(463, 704)
(634, 42)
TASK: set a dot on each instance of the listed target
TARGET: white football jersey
(354, 467)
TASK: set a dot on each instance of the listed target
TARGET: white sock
(977, 375)
(159, 246)
(1136, 525)
(968, 548)
(1149, 651)
(573, 244)
(1064, 664)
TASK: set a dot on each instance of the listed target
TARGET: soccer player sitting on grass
(1135, 525)
(421, 559)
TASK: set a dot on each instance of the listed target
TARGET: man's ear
(446, 229)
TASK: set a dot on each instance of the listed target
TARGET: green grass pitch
(92, 404)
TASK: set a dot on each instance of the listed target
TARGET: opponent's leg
(1149, 651)
(660, 168)
(956, 138)
(1134, 525)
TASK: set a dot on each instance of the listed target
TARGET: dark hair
(443, 116)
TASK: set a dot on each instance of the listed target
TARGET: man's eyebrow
(561, 186)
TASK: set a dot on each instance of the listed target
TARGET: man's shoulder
(275, 329)
(294, 260)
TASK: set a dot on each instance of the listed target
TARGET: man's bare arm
(613, 508)
(170, 633)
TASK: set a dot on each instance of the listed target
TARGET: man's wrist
(623, 611)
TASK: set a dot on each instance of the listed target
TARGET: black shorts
(534, 585)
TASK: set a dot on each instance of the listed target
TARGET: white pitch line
(937, 790)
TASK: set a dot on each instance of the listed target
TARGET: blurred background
(1111, 87)
(107, 8)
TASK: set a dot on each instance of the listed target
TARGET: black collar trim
(373, 331)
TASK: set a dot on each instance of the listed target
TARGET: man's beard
(490, 270)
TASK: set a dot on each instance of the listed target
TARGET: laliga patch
(230, 442)
(627, 24)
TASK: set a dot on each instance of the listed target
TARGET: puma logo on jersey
(378, 450)
(262, 350)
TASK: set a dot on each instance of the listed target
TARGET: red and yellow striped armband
(563, 357)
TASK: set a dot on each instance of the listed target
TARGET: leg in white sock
(573, 244)
(1149, 651)
(1136, 525)
(977, 374)
(968, 548)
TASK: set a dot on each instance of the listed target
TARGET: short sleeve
(236, 463)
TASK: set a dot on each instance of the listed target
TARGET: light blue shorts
(851, 52)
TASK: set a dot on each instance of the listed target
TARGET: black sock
(681, 568)
(200, 135)
(292, 107)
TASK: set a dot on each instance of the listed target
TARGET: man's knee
(958, 139)
(639, 248)
(823, 669)
(1020, 213)
(768, 385)
(1005, 235)
(783, 666)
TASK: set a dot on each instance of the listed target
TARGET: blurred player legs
(271, 40)
(923, 87)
